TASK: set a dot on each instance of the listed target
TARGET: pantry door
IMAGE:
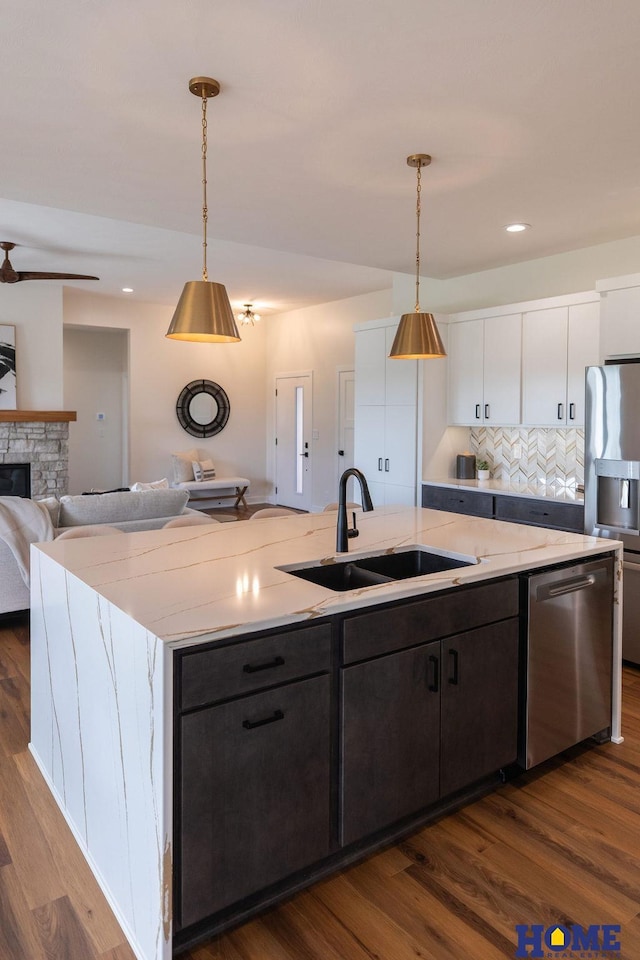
(293, 441)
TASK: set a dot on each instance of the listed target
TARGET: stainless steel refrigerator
(612, 477)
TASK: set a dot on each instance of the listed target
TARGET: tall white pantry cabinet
(386, 415)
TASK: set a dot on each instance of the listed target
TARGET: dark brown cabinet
(254, 772)
(479, 704)
(390, 739)
(457, 500)
(294, 745)
(534, 511)
(541, 513)
(423, 723)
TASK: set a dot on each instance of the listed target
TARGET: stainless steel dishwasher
(569, 646)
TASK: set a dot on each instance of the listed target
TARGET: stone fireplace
(41, 439)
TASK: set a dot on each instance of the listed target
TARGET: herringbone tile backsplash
(531, 455)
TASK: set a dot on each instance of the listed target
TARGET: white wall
(570, 272)
(95, 381)
(320, 339)
(35, 309)
(160, 368)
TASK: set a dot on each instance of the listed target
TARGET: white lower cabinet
(385, 451)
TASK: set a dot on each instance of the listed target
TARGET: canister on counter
(465, 466)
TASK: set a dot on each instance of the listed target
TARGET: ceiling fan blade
(37, 275)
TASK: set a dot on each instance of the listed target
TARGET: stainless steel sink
(358, 572)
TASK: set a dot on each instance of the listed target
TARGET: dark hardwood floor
(559, 844)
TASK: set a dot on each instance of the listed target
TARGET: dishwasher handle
(548, 591)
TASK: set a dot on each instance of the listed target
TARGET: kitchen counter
(195, 583)
(560, 492)
(108, 614)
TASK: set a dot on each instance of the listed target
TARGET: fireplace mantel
(37, 416)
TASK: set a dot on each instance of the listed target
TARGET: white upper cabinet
(386, 416)
(379, 379)
(620, 312)
(465, 371)
(558, 343)
(484, 370)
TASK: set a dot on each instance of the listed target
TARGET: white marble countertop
(199, 583)
(563, 493)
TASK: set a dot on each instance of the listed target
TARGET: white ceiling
(528, 109)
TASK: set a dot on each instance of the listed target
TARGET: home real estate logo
(595, 941)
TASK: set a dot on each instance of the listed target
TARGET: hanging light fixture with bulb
(417, 336)
(248, 316)
(204, 312)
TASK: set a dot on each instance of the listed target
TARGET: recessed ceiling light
(127, 289)
(517, 227)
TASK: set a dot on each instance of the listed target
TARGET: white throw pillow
(182, 469)
(152, 485)
(203, 470)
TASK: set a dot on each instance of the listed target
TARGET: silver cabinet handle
(380, 464)
(386, 465)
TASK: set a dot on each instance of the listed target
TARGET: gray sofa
(128, 511)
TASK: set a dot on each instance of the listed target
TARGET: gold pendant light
(204, 312)
(417, 336)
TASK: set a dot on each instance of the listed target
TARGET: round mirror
(202, 408)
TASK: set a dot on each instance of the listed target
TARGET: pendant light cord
(418, 209)
(205, 210)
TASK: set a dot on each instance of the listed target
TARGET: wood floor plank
(309, 930)
(254, 941)
(561, 842)
(122, 952)
(19, 938)
(14, 650)
(426, 911)
(61, 932)
(471, 885)
(220, 949)
(14, 714)
(26, 840)
(81, 886)
(5, 856)
(552, 849)
(568, 902)
(578, 820)
(374, 932)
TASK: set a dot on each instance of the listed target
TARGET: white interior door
(293, 441)
(346, 426)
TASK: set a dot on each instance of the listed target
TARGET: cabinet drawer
(255, 794)
(561, 516)
(404, 625)
(457, 501)
(226, 672)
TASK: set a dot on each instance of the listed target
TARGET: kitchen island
(135, 635)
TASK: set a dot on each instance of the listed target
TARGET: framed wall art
(8, 399)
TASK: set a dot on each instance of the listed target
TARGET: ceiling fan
(9, 275)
